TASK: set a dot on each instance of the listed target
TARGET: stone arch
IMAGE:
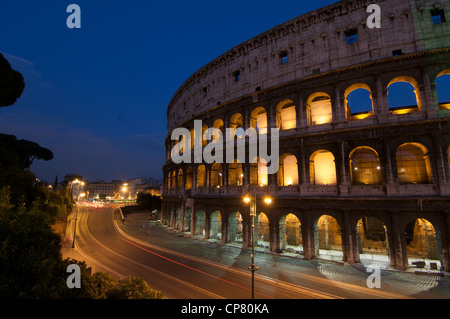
(180, 179)
(216, 175)
(328, 238)
(201, 176)
(187, 219)
(258, 172)
(189, 178)
(290, 234)
(215, 225)
(258, 120)
(442, 82)
(372, 240)
(235, 173)
(235, 228)
(237, 122)
(200, 223)
(322, 168)
(413, 164)
(286, 115)
(423, 243)
(319, 108)
(358, 101)
(262, 231)
(365, 166)
(404, 95)
(288, 170)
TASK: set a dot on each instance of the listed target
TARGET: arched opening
(215, 225)
(262, 235)
(286, 115)
(372, 240)
(288, 170)
(237, 122)
(192, 133)
(235, 228)
(216, 175)
(319, 109)
(423, 244)
(187, 220)
(258, 172)
(201, 176)
(235, 174)
(358, 101)
(365, 166)
(443, 89)
(189, 178)
(403, 95)
(413, 164)
(327, 238)
(322, 168)
(218, 124)
(200, 218)
(169, 180)
(178, 219)
(174, 178)
(180, 179)
(291, 234)
(258, 120)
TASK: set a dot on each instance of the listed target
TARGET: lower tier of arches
(355, 232)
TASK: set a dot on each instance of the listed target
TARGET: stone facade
(376, 173)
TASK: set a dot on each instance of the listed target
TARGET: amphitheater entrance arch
(200, 218)
(178, 219)
(423, 244)
(262, 235)
(235, 228)
(215, 225)
(187, 220)
(291, 234)
(327, 238)
(372, 240)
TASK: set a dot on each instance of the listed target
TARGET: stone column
(426, 95)
(399, 257)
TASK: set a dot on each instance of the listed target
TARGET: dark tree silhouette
(11, 83)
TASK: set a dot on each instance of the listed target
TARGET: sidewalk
(284, 267)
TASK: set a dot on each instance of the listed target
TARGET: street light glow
(247, 199)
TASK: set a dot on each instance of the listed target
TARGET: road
(104, 245)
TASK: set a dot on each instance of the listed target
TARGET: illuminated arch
(235, 228)
(235, 174)
(404, 95)
(215, 225)
(328, 238)
(258, 120)
(288, 170)
(422, 242)
(290, 234)
(262, 231)
(322, 168)
(216, 175)
(443, 89)
(201, 176)
(286, 115)
(358, 101)
(365, 166)
(319, 108)
(413, 164)
(189, 178)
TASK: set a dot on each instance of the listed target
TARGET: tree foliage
(147, 201)
(11, 83)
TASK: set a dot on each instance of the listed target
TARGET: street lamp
(252, 202)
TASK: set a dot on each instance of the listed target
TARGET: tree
(148, 201)
(11, 83)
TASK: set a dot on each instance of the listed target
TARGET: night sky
(97, 96)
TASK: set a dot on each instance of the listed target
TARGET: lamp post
(252, 201)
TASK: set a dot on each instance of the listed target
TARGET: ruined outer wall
(315, 43)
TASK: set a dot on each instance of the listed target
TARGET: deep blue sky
(97, 96)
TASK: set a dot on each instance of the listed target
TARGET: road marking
(192, 268)
(204, 291)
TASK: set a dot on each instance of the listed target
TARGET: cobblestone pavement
(287, 268)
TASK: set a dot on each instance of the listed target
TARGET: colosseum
(363, 175)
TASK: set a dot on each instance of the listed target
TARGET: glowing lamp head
(247, 199)
(268, 200)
